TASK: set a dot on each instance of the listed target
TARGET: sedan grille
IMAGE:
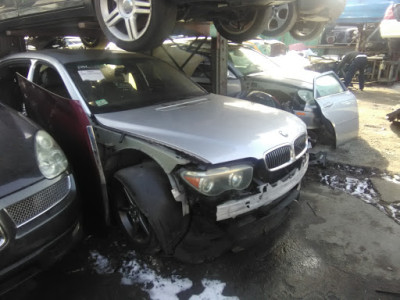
(300, 144)
(29, 208)
(278, 157)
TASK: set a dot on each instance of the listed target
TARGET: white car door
(338, 105)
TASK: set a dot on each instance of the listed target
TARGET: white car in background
(321, 100)
(390, 25)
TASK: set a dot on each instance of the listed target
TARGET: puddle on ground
(356, 181)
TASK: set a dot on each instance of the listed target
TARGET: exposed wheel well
(122, 159)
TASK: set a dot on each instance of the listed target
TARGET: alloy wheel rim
(280, 15)
(127, 20)
(133, 219)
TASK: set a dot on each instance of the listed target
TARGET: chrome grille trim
(286, 154)
(278, 157)
(37, 204)
(300, 145)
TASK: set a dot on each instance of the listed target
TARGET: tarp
(364, 11)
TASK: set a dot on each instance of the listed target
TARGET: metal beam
(219, 64)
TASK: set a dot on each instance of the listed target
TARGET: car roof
(65, 56)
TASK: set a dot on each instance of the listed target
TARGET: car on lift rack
(305, 19)
(39, 206)
(130, 24)
(320, 100)
(187, 172)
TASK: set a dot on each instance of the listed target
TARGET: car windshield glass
(327, 85)
(248, 61)
(109, 86)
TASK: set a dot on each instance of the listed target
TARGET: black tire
(244, 25)
(99, 42)
(149, 28)
(306, 30)
(133, 220)
(282, 20)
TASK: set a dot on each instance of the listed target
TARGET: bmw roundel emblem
(284, 134)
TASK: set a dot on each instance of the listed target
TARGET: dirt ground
(378, 143)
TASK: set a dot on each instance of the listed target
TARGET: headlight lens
(216, 181)
(51, 159)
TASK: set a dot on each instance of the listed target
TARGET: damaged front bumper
(268, 193)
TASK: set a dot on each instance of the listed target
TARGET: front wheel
(137, 24)
(132, 219)
(306, 30)
(244, 24)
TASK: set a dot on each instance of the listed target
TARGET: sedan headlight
(51, 159)
(216, 181)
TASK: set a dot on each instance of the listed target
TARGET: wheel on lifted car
(283, 18)
(306, 30)
(243, 24)
(136, 25)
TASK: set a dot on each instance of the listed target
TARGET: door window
(10, 92)
(49, 78)
(327, 84)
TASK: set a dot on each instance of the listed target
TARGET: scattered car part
(318, 158)
(393, 116)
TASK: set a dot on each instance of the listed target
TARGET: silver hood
(212, 128)
(296, 77)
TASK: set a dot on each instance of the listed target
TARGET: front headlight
(216, 181)
(50, 158)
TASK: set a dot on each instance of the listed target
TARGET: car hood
(18, 167)
(296, 77)
(212, 128)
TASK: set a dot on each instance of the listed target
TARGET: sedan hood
(295, 77)
(18, 167)
(212, 128)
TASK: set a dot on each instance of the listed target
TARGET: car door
(29, 7)
(49, 105)
(338, 105)
(10, 92)
(8, 9)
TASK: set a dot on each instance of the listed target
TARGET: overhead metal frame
(219, 60)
